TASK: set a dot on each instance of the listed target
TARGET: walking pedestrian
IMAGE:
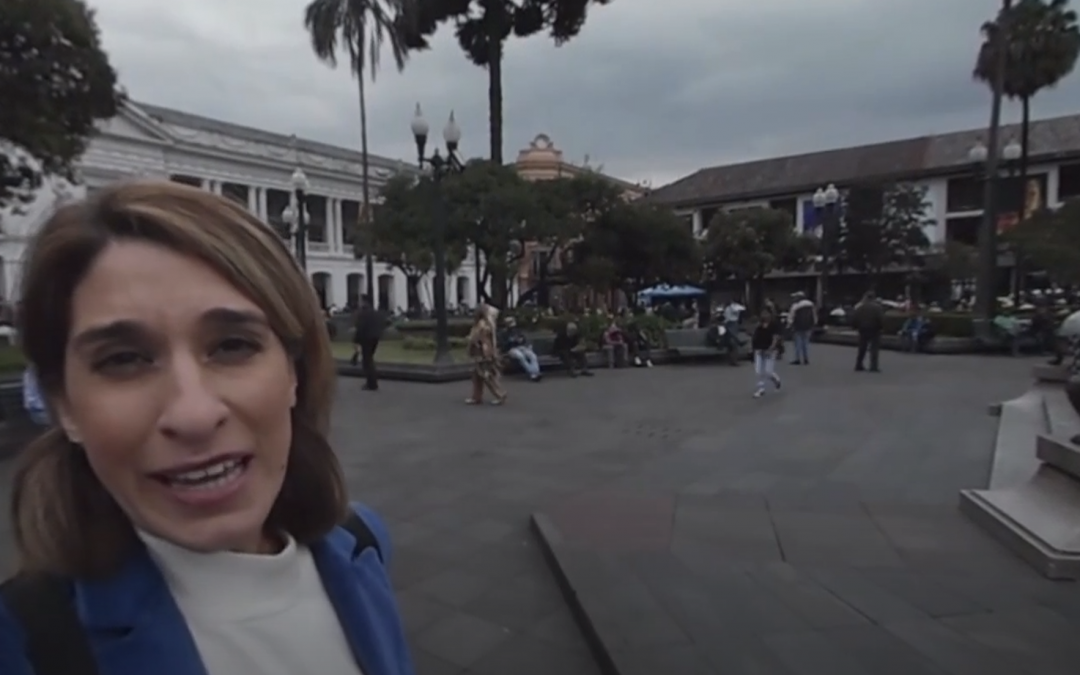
(369, 327)
(803, 318)
(868, 319)
(766, 342)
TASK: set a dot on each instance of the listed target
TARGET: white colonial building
(253, 167)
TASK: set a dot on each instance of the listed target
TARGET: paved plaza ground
(807, 532)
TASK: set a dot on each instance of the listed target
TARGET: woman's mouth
(208, 477)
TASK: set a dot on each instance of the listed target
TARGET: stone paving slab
(883, 588)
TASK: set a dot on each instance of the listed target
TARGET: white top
(256, 614)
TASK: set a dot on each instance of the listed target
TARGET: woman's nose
(194, 408)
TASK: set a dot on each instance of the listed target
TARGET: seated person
(614, 343)
(1009, 327)
(638, 345)
(33, 401)
(513, 343)
(1044, 329)
(916, 333)
(571, 350)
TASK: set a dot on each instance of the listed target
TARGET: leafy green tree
(482, 28)
(566, 209)
(885, 228)
(495, 210)
(632, 246)
(403, 232)
(55, 83)
(1051, 240)
(748, 244)
(1042, 40)
(360, 28)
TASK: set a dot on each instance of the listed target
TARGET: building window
(316, 224)
(185, 179)
(536, 262)
(963, 230)
(276, 203)
(707, 215)
(789, 206)
(236, 192)
(964, 194)
(1068, 181)
(350, 220)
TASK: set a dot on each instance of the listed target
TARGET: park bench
(544, 347)
(697, 343)
(16, 427)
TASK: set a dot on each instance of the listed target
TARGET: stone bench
(544, 348)
(695, 343)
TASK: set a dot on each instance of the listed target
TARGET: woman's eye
(236, 348)
(121, 361)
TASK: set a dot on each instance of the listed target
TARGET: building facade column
(339, 228)
(261, 210)
(253, 200)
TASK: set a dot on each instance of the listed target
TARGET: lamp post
(986, 282)
(825, 202)
(296, 215)
(440, 167)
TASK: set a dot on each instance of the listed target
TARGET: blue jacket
(135, 626)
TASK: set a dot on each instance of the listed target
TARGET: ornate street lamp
(440, 167)
(825, 209)
(297, 216)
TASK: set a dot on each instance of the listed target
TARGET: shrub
(426, 344)
(455, 327)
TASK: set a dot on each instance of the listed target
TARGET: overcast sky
(650, 90)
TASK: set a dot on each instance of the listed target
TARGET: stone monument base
(1033, 503)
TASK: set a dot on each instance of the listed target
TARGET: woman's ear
(66, 421)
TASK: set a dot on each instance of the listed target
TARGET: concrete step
(1020, 421)
(1059, 453)
(1039, 520)
(1062, 420)
(1044, 372)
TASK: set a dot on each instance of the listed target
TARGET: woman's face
(180, 395)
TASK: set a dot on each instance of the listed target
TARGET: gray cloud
(650, 92)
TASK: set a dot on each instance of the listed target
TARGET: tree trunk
(495, 124)
(365, 215)
(1025, 129)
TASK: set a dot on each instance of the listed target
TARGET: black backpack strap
(365, 538)
(56, 643)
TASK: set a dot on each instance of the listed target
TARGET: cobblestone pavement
(457, 484)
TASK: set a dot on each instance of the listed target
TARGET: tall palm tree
(1042, 42)
(360, 28)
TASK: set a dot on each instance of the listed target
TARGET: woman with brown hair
(186, 516)
(485, 356)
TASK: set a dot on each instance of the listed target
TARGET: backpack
(55, 641)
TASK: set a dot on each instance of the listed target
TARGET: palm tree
(1042, 42)
(482, 28)
(361, 28)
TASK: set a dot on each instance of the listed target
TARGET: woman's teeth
(209, 477)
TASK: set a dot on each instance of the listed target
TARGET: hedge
(535, 320)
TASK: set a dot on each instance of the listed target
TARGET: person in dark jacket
(366, 336)
(571, 350)
(868, 319)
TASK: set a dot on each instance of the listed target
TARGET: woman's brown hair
(64, 520)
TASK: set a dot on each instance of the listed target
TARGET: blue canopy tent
(666, 292)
